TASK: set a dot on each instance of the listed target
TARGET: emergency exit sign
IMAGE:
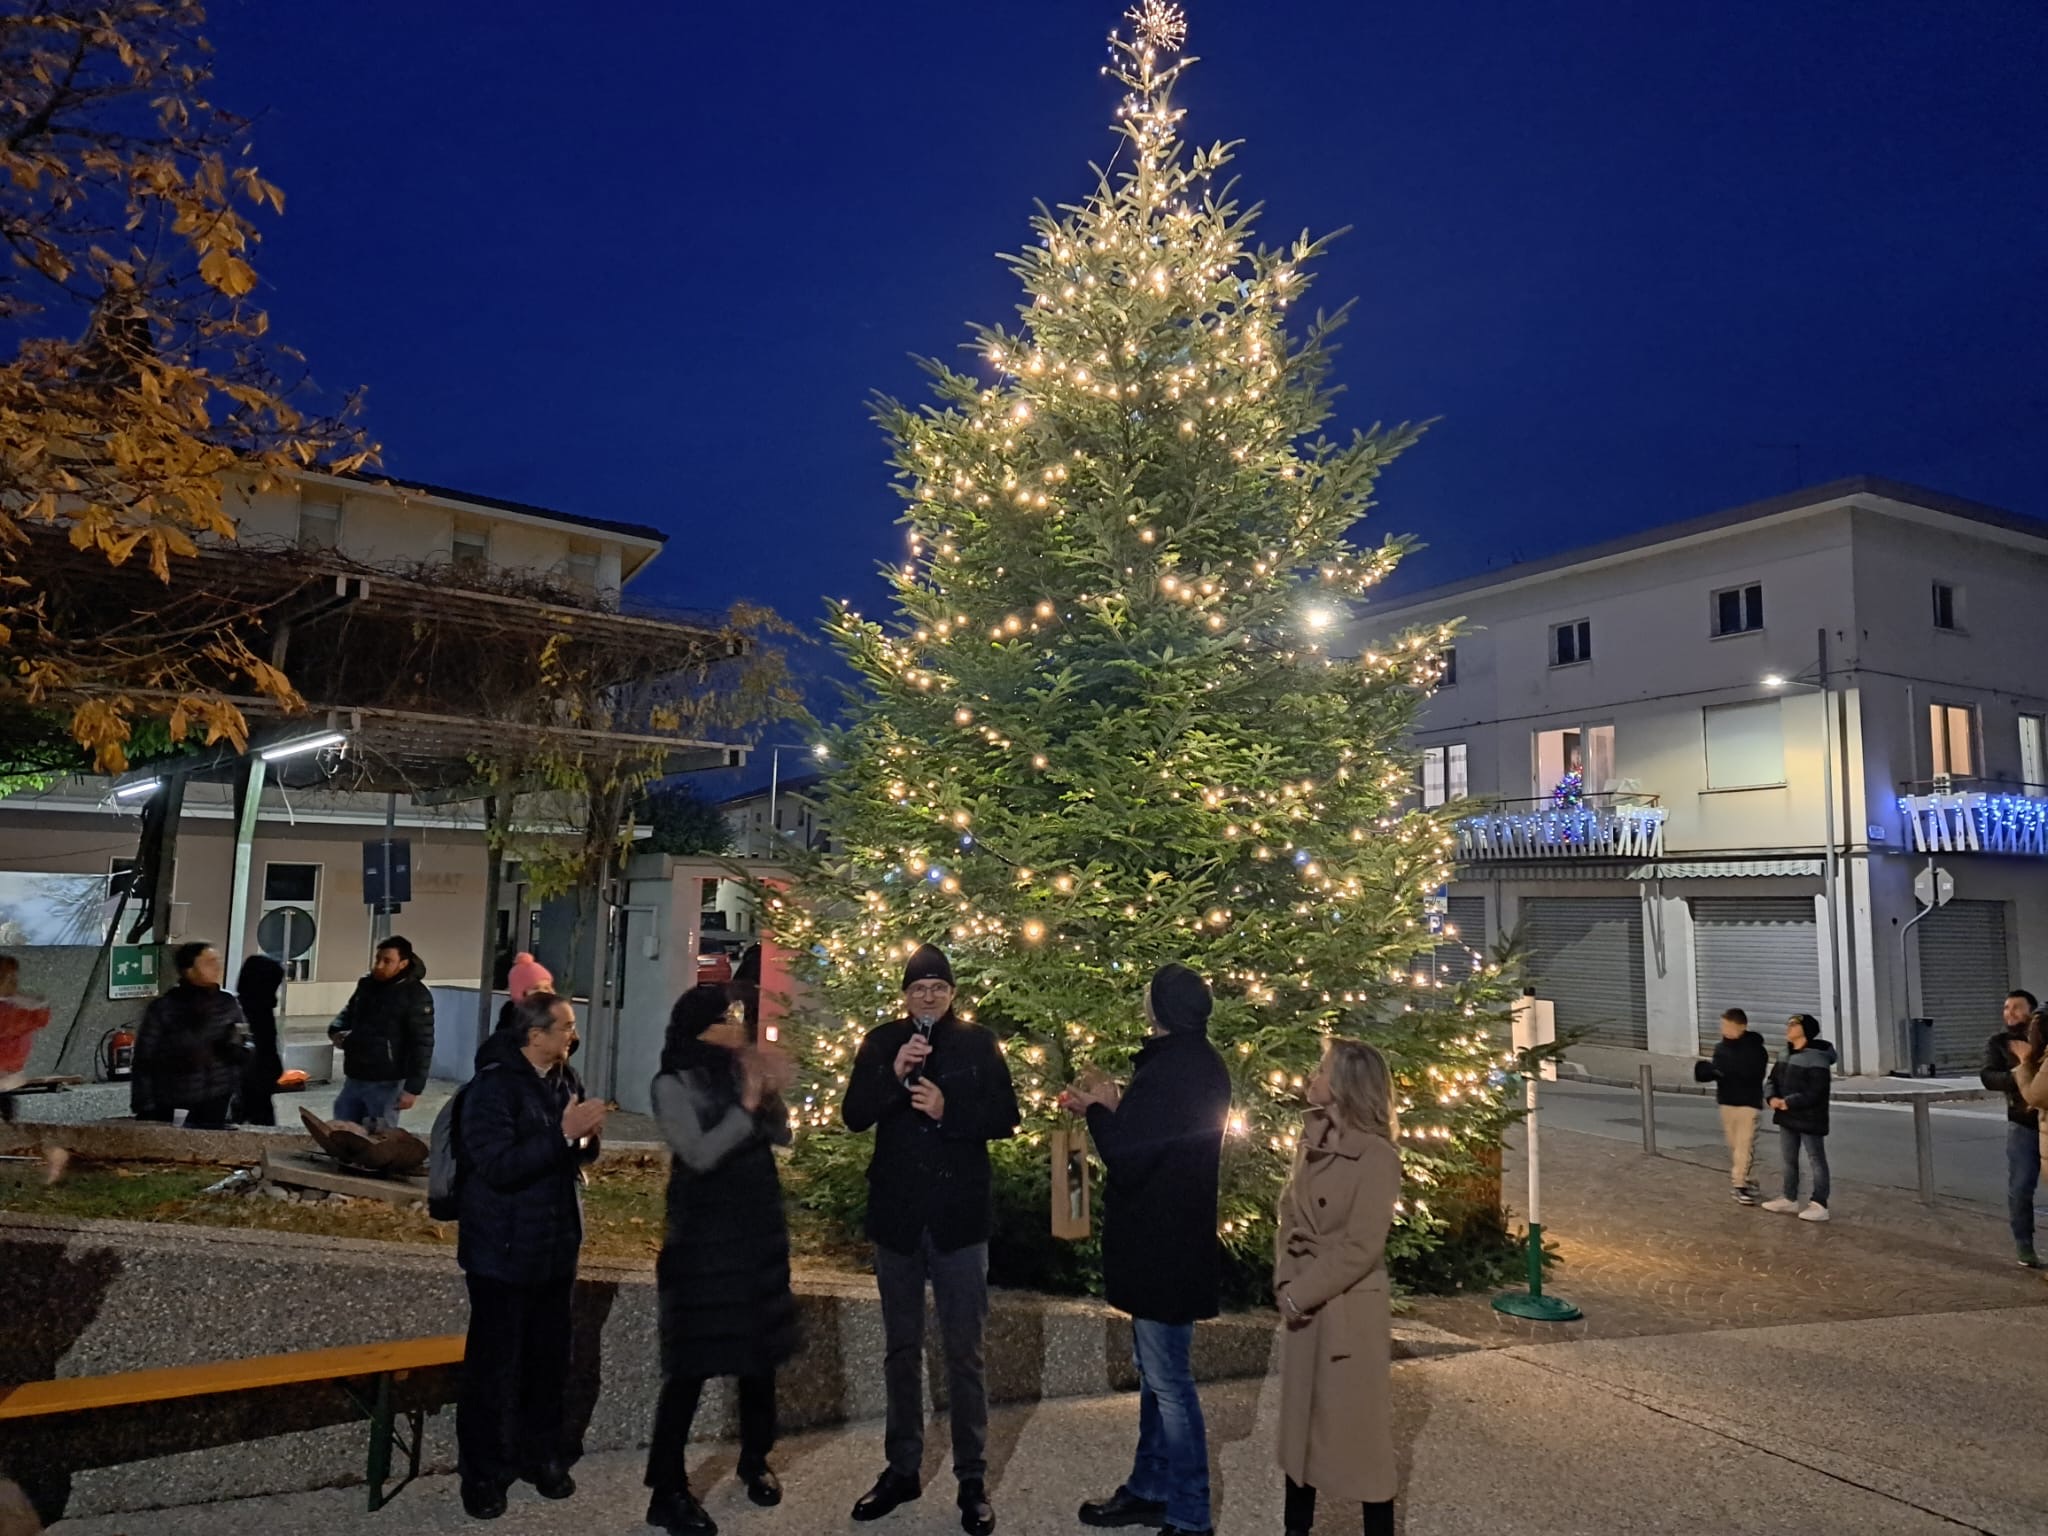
(131, 971)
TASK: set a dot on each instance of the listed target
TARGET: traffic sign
(1934, 887)
(286, 933)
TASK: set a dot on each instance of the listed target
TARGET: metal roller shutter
(1586, 956)
(1759, 954)
(1963, 979)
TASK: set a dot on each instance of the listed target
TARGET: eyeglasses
(927, 988)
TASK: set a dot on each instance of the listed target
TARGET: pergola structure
(435, 683)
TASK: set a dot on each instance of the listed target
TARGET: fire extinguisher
(117, 1055)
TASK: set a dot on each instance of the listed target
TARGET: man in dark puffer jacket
(1801, 1083)
(386, 1035)
(523, 1133)
(189, 1050)
(1737, 1071)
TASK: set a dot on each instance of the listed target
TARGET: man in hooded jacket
(386, 1035)
(1161, 1140)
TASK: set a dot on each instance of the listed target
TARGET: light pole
(1831, 877)
(818, 751)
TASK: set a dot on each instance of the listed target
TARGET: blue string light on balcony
(1973, 822)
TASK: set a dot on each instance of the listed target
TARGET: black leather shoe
(889, 1494)
(680, 1515)
(977, 1515)
(1121, 1509)
(480, 1501)
(552, 1482)
(763, 1487)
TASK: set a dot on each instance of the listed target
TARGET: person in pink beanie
(527, 975)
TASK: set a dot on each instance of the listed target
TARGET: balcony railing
(1596, 827)
(1975, 821)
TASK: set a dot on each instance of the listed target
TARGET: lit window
(1571, 643)
(1739, 610)
(1577, 760)
(1948, 727)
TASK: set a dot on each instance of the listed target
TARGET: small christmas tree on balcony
(1104, 728)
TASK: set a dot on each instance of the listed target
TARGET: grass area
(623, 1208)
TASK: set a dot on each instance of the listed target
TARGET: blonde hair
(1361, 1088)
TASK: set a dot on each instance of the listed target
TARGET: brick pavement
(1653, 1245)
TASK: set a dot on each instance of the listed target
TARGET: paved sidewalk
(1654, 1245)
(1905, 1428)
(1619, 1067)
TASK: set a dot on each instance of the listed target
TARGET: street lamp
(817, 750)
(1831, 879)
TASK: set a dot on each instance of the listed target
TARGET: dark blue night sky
(648, 260)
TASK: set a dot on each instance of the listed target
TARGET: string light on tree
(1105, 726)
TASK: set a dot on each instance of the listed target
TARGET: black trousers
(667, 1468)
(515, 1374)
(1301, 1512)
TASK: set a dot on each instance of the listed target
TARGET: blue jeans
(2022, 1178)
(1789, 1142)
(373, 1106)
(1172, 1465)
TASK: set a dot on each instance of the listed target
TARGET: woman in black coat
(190, 1048)
(725, 1302)
(256, 989)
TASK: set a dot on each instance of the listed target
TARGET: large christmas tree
(1105, 729)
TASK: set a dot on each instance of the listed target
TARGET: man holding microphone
(937, 1091)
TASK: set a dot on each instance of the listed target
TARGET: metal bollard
(1923, 1147)
(1648, 1092)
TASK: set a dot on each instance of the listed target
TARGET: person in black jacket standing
(1162, 1141)
(2022, 1128)
(523, 1134)
(1737, 1071)
(256, 989)
(726, 1306)
(190, 1048)
(937, 1091)
(1802, 1081)
(386, 1035)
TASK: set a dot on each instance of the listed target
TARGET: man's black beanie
(928, 964)
(1180, 1000)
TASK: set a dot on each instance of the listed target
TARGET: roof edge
(1810, 499)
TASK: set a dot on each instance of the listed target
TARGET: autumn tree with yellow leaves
(140, 374)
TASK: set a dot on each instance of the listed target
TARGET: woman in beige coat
(1330, 1278)
(2030, 1074)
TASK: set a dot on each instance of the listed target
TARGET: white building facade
(1706, 764)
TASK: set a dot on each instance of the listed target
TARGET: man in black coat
(386, 1035)
(937, 1091)
(1162, 1141)
(1737, 1070)
(2022, 1128)
(523, 1133)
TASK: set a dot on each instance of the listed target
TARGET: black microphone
(921, 1030)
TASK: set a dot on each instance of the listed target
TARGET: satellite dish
(286, 933)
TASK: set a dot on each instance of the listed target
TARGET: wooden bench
(46, 1084)
(380, 1364)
